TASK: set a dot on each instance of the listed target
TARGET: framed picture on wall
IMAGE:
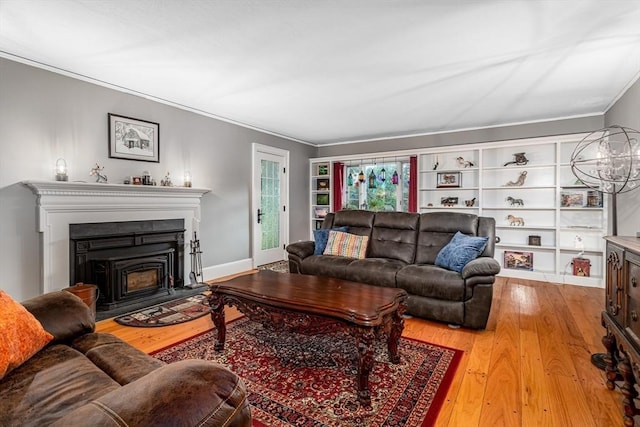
(133, 139)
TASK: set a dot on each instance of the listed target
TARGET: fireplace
(130, 261)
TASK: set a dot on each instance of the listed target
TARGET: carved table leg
(216, 302)
(610, 360)
(397, 326)
(364, 340)
(628, 389)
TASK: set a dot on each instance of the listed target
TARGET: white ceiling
(343, 70)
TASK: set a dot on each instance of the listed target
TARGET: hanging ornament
(349, 180)
(383, 175)
(395, 179)
(372, 180)
(361, 176)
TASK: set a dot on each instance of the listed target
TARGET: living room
(47, 113)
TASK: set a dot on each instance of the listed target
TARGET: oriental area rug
(300, 380)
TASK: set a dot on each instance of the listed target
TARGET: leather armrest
(301, 249)
(62, 314)
(185, 393)
(482, 266)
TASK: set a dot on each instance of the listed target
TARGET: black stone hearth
(133, 263)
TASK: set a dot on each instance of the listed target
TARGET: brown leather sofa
(84, 378)
(401, 253)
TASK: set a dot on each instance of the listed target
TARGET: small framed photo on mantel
(133, 139)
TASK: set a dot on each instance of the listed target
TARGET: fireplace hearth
(131, 262)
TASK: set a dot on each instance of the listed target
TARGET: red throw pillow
(22, 335)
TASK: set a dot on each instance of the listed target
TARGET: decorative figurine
(514, 202)
(97, 172)
(464, 163)
(515, 220)
(436, 164)
(520, 181)
(519, 159)
(470, 203)
(449, 201)
(166, 182)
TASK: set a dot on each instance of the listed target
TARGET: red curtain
(413, 184)
(338, 185)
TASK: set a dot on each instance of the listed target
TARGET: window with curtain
(370, 186)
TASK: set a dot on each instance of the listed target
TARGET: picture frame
(534, 240)
(322, 169)
(133, 139)
(322, 199)
(573, 199)
(448, 179)
(322, 184)
(517, 260)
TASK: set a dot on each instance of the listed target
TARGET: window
(370, 186)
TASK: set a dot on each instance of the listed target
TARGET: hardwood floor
(530, 367)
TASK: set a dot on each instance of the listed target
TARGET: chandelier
(608, 160)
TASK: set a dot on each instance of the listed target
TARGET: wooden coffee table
(316, 305)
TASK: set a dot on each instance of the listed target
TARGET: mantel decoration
(133, 139)
(608, 160)
(61, 170)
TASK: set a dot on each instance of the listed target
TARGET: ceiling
(339, 71)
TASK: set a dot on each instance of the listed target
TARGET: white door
(270, 197)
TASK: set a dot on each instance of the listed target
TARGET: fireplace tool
(195, 276)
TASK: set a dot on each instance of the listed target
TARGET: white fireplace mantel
(62, 203)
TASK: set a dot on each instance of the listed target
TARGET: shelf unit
(534, 199)
(321, 186)
(567, 219)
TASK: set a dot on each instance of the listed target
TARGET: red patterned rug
(298, 380)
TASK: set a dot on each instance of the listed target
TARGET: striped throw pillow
(346, 245)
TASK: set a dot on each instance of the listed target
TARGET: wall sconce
(61, 170)
(187, 179)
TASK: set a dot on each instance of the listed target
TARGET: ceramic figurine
(97, 172)
(514, 202)
(519, 159)
(464, 163)
(520, 181)
(515, 220)
(470, 203)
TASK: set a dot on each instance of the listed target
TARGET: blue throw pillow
(459, 251)
(322, 236)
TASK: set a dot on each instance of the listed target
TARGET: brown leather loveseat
(83, 378)
(402, 251)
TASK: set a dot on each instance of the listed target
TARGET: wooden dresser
(621, 318)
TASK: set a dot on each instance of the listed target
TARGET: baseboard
(221, 270)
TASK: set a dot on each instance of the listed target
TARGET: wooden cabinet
(621, 318)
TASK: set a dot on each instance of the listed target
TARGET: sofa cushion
(374, 271)
(431, 281)
(56, 380)
(346, 245)
(320, 237)
(359, 222)
(121, 361)
(394, 236)
(21, 334)
(459, 251)
(437, 229)
(326, 265)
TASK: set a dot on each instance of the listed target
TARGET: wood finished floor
(530, 367)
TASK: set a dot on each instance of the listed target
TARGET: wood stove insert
(129, 261)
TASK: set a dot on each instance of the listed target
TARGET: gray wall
(45, 115)
(626, 112)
